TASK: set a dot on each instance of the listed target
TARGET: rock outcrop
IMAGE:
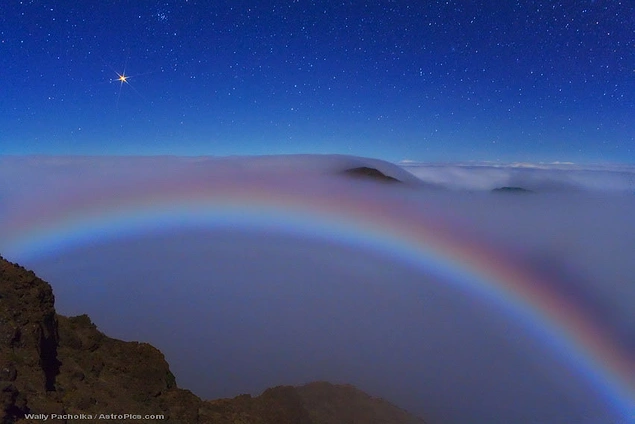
(51, 364)
(28, 343)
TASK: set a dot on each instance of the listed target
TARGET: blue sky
(426, 81)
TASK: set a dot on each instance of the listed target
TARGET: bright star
(124, 78)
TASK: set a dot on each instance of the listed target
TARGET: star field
(428, 81)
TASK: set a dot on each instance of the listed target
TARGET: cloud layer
(552, 177)
(241, 309)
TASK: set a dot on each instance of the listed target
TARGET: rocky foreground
(65, 370)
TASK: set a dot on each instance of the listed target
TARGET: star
(123, 79)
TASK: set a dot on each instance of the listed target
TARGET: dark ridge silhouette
(51, 364)
(370, 173)
(518, 190)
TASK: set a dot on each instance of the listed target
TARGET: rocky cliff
(51, 364)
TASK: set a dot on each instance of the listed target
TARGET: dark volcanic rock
(28, 343)
(314, 403)
(333, 404)
(518, 190)
(370, 173)
(51, 364)
(99, 374)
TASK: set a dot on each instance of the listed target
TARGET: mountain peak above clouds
(514, 190)
(370, 173)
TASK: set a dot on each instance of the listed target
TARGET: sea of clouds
(543, 177)
(237, 310)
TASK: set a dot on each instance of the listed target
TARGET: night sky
(418, 80)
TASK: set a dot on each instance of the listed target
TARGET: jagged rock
(28, 343)
(51, 364)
